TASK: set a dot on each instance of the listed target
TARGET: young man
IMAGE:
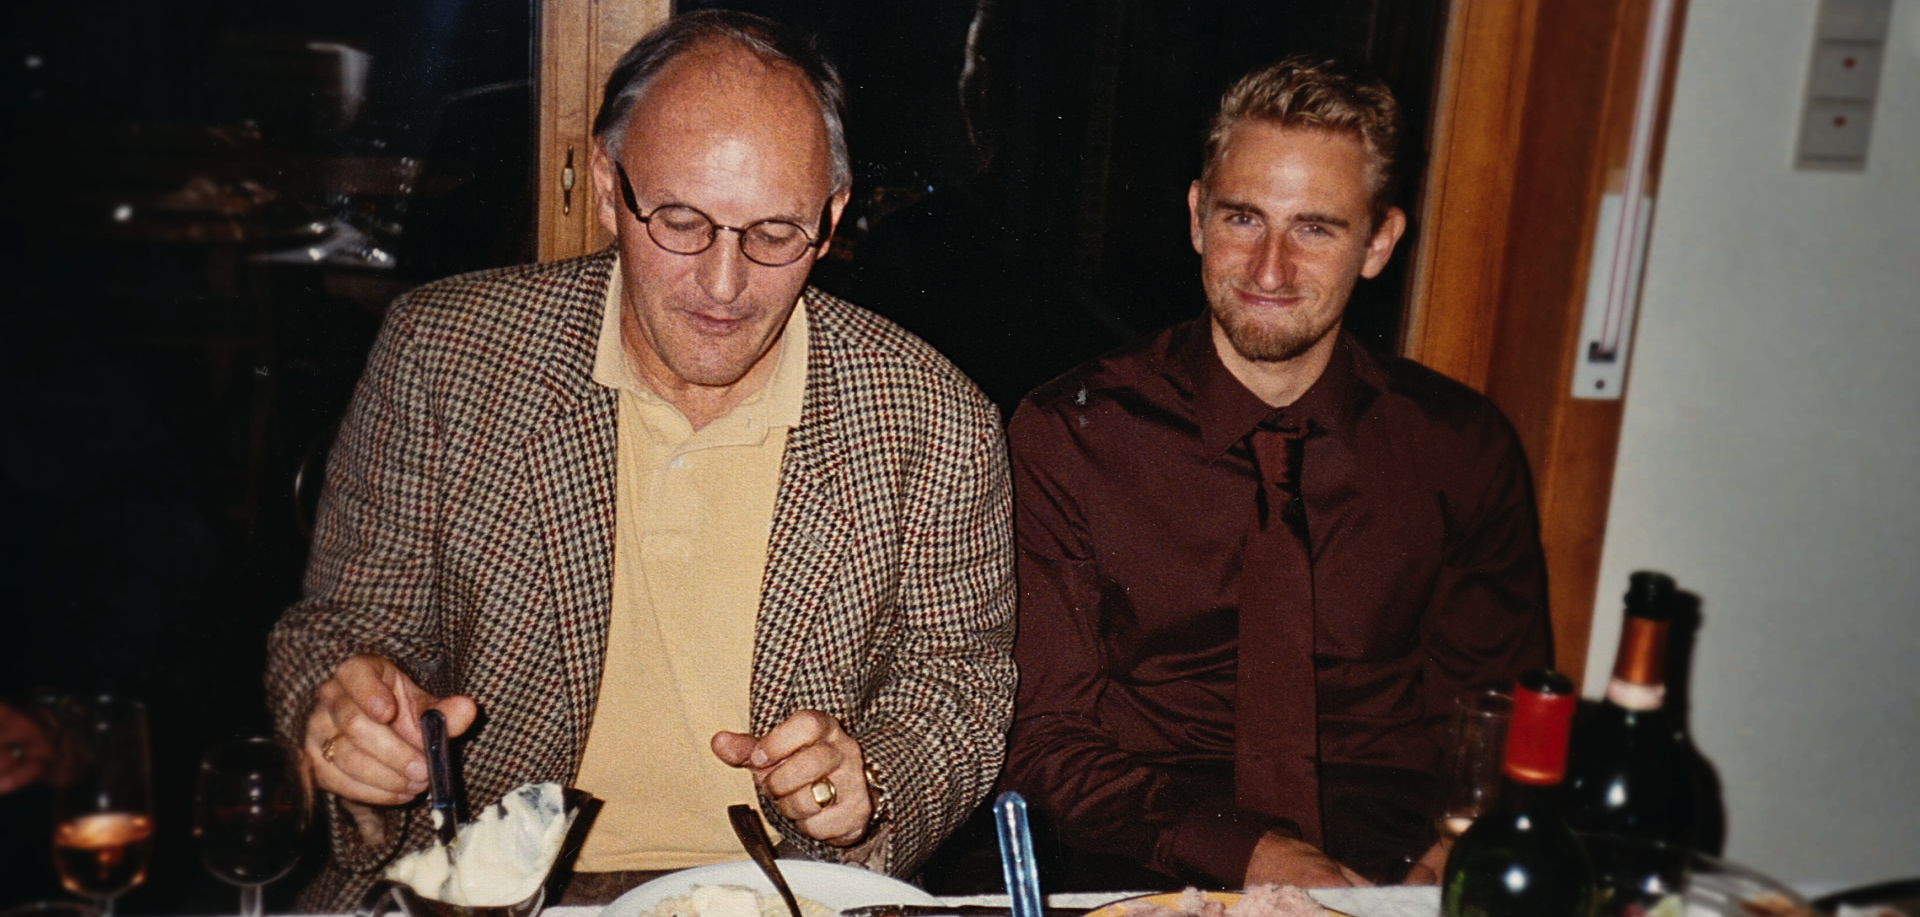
(1257, 562)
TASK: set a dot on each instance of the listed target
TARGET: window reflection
(209, 204)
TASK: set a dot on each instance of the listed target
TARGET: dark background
(202, 230)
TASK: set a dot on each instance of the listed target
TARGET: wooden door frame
(1532, 118)
(580, 40)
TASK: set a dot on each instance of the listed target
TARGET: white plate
(836, 886)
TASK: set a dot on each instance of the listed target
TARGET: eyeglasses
(685, 230)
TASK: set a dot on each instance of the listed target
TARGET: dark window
(209, 204)
(1034, 214)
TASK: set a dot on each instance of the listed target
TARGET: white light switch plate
(1843, 81)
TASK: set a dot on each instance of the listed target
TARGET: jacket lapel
(810, 531)
(571, 465)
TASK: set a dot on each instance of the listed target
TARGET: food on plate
(734, 901)
(1774, 904)
(498, 859)
(1257, 901)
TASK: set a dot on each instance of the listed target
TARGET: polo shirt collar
(777, 404)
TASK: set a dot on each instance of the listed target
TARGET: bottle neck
(1536, 751)
(1639, 669)
(1533, 799)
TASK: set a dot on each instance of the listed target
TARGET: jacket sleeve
(932, 725)
(1099, 795)
(370, 573)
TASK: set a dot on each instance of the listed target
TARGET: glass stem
(250, 905)
(105, 906)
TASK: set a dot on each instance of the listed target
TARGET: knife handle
(433, 734)
(1017, 860)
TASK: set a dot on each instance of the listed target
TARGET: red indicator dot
(1839, 120)
(1848, 63)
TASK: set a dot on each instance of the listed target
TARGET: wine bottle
(1631, 776)
(1522, 859)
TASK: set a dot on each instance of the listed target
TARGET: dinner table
(1381, 901)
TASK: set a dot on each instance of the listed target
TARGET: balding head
(699, 34)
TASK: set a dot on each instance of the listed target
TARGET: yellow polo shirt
(690, 547)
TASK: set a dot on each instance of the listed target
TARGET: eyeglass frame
(714, 226)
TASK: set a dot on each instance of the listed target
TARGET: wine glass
(1476, 741)
(249, 813)
(51, 909)
(1641, 876)
(102, 798)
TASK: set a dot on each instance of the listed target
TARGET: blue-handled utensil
(1016, 855)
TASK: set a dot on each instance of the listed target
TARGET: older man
(1257, 563)
(662, 522)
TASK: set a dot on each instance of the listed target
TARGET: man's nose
(723, 267)
(1272, 264)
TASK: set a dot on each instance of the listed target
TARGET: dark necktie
(1276, 730)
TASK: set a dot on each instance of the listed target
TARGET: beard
(1269, 341)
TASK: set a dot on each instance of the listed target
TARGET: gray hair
(765, 38)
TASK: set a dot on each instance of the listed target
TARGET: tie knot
(1276, 449)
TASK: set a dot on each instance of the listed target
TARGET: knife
(433, 731)
(952, 910)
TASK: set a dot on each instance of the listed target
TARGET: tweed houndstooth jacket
(466, 532)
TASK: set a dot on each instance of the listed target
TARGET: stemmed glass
(249, 813)
(1476, 743)
(102, 798)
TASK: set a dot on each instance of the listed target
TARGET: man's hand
(805, 759)
(25, 749)
(363, 736)
(1431, 866)
(1279, 860)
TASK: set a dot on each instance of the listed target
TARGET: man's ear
(1385, 236)
(606, 189)
(1194, 203)
(836, 206)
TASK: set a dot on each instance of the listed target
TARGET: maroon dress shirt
(1136, 490)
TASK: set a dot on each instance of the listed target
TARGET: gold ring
(825, 793)
(326, 747)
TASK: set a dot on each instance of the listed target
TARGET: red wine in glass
(249, 815)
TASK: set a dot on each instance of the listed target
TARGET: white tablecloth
(1388, 901)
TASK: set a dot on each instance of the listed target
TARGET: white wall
(1770, 454)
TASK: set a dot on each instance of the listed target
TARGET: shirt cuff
(1216, 846)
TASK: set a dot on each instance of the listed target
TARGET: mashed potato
(1259, 901)
(734, 901)
(500, 858)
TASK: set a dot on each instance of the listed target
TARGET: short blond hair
(1316, 93)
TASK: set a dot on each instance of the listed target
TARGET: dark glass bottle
(1631, 774)
(1522, 859)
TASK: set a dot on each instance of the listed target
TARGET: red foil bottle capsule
(1543, 705)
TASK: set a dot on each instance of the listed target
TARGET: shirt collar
(777, 404)
(1227, 410)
